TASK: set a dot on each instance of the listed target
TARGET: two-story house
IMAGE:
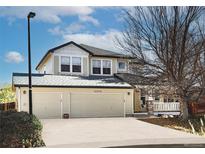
(78, 80)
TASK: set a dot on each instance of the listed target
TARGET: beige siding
(46, 65)
(66, 97)
(24, 106)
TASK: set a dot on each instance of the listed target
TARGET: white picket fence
(166, 106)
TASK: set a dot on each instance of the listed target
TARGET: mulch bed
(177, 123)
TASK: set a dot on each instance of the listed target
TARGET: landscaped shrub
(20, 129)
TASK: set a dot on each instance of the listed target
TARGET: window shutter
(56, 65)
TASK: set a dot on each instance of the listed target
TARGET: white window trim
(71, 68)
(120, 68)
(101, 67)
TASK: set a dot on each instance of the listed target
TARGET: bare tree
(169, 43)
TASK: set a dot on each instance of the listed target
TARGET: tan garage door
(97, 105)
(47, 105)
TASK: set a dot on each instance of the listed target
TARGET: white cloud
(86, 18)
(70, 29)
(14, 57)
(47, 14)
(74, 27)
(105, 40)
(56, 31)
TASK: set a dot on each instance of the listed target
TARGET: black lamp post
(30, 15)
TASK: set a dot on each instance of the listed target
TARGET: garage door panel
(97, 105)
(47, 105)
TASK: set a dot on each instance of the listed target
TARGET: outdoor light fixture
(30, 15)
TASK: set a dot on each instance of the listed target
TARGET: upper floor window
(106, 67)
(76, 64)
(71, 64)
(101, 67)
(96, 66)
(65, 64)
(121, 65)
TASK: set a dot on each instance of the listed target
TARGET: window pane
(106, 67)
(65, 64)
(106, 64)
(96, 70)
(106, 71)
(76, 68)
(65, 60)
(96, 66)
(121, 65)
(65, 68)
(96, 63)
(76, 64)
(76, 61)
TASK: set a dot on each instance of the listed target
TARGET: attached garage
(79, 99)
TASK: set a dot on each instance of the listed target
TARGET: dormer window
(65, 64)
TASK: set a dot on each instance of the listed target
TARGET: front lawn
(178, 124)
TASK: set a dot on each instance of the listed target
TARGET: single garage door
(97, 105)
(47, 105)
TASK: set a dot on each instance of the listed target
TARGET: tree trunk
(184, 109)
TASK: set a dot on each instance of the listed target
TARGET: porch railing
(166, 106)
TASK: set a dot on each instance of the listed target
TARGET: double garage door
(53, 105)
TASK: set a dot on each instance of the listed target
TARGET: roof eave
(61, 86)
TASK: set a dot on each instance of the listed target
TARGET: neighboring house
(78, 80)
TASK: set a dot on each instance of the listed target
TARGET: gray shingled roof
(101, 52)
(41, 80)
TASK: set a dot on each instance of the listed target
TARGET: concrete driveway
(110, 132)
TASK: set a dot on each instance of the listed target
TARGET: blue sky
(53, 26)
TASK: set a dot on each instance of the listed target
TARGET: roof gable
(89, 49)
(59, 47)
(71, 50)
